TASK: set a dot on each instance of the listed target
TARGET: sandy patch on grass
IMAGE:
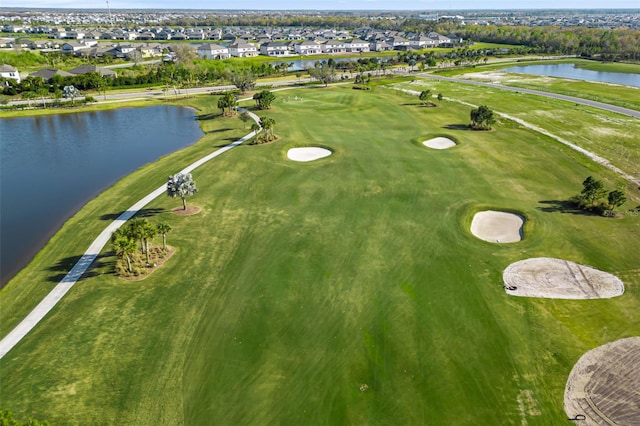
(497, 227)
(559, 279)
(307, 154)
(603, 387)
(439, 143)
(191, 210)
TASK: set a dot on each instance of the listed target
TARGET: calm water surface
(570, 71)
(50, 166)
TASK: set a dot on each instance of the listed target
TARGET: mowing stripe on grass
(58, 292)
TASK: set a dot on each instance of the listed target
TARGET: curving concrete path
(58, 292)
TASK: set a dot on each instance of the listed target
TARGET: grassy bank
(298, 284)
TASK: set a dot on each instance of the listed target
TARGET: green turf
(298, 283)
(611, 136)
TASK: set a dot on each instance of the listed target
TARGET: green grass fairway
(298, 283)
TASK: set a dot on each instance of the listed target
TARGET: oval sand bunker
(439, 143)
(603, 387)
(307, 154)
(559, 279)
(497, 227)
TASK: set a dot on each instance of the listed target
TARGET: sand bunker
(559, 279)
(307, 154)
(439, 143)
(604, 386)
(497, 227)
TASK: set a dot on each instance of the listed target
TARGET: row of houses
(242, 48)
(11, 72)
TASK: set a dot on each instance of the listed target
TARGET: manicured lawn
(612, 136)
(299, 283)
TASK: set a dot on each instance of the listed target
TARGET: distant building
(8, 71)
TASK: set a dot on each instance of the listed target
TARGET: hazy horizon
(328, 5)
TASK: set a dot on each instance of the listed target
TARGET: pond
(572, 72)
(53, 165)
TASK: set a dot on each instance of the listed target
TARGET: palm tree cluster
(267, 125)
(139, 230)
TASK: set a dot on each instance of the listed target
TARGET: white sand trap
(497, 227)
(559, 279)
(307, 154)
(603, 387)
(439, 143)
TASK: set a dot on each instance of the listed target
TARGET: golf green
(346, 290)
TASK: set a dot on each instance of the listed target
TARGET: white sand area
(559, 279)
(439, 143)
(497, 227)
(307, 154)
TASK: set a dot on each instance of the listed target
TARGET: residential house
(48, 73)
(331, 46)
(422, 42)
(147, 35)
(308, 48)
(85, 69)
(213, 51)
(380, 46)
(273, 48)
(8, 71)
(241, 49)
(357, 46)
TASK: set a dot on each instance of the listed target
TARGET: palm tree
(148, 231)
(164, 229)
(268, 124)
(135, 230)
(181, 185)
(124, 246)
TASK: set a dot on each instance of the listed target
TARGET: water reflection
(52, 165)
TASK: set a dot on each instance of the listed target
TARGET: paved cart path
(58, 292)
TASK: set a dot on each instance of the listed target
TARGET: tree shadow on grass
(62, 268)
(563, 206)
(141, 213)
(219, 130)
(457, 127)
(209, 116)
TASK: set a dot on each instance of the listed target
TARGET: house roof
(48, 73)
(85, 69)
(211, 46)
(7, 68)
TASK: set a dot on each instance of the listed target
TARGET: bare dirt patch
(439, 143)
(191, 210)
(559, 279)
(307, 154)
(604, 386)
(497, 227)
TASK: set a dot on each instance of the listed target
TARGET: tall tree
(124, 246)
(264, 99)
(592, 190)
(164, 229)
(243, 80)
(181, 185)
(616, 199)
(70, 92)
(323, 72)
(425, 97)
(482, 118)
(227, 102)
(268, 125)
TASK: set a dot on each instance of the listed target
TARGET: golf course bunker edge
(304, 155)
(439, 143)
(497, 227)
(603, 387)
(559, 279)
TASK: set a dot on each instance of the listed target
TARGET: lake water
(570, 71)
(52, 165)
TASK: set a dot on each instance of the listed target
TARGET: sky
(328, 4)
